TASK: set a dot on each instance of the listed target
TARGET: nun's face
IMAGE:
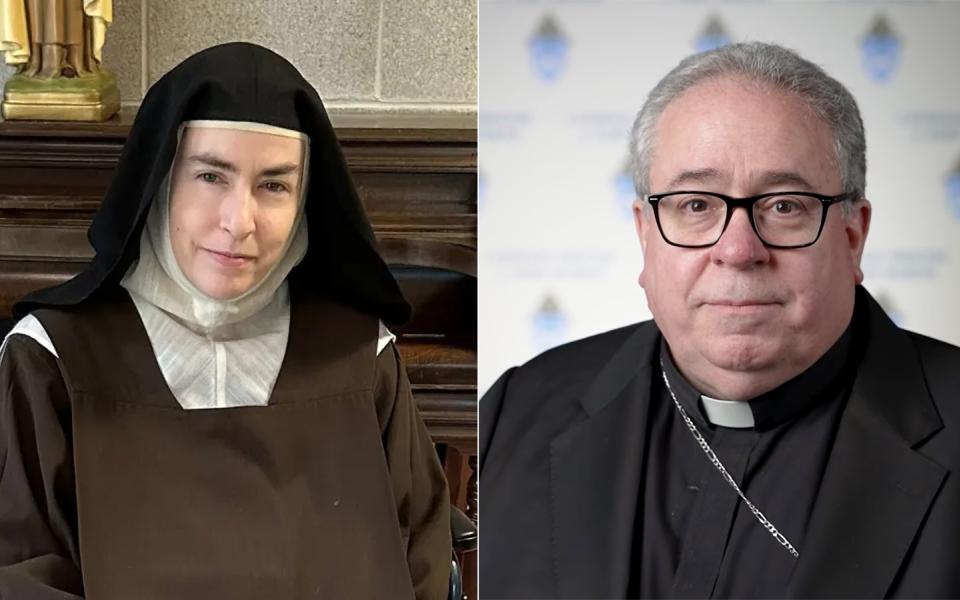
(233, 201)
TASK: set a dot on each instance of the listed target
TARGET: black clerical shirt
(695, 538)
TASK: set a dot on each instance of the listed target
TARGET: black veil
(238, 82)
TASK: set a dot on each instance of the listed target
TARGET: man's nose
(237, 213)
(739, 246)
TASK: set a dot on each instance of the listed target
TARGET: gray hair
(768, 64)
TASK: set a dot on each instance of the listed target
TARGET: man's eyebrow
(694, 176)
(776, 178)
(213, 161)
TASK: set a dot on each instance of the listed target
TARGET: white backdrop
(560, 83)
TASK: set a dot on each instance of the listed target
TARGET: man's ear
(856, 226)
(641, 220)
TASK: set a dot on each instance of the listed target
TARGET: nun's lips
(229, 259)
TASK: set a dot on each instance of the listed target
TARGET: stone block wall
(363, 56)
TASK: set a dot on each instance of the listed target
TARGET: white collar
(727, 413)
(213, 353)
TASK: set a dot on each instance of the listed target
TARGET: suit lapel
(595, 471)
(874, 496)
(876, 489)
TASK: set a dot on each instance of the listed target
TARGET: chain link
(723, 471)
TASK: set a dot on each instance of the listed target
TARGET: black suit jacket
(561, 450)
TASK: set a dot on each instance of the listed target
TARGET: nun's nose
(237, 213)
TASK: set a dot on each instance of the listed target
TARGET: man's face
(741, 318)
(233, 201)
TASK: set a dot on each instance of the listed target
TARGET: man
(770, 433)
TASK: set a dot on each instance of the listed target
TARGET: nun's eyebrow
(213, 161)
(219, 163)
(278, 170)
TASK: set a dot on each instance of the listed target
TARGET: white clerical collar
(727, 413)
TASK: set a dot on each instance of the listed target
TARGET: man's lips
(741, 307)
(741, 303)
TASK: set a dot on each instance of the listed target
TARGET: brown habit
(109, 488)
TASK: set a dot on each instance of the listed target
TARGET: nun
(213, 407)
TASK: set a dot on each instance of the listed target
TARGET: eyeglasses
(780, 219)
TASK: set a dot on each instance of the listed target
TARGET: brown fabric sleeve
(419, 485)
(39, 556)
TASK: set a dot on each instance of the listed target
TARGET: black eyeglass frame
(747, 203)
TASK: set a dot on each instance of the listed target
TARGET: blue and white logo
(624, 193)
(713, 36)
(953, 191)
(880, 51)
(549, 49)
(549, 325)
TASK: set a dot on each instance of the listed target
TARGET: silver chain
(723, 471)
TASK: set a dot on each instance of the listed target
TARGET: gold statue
(57, 46)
